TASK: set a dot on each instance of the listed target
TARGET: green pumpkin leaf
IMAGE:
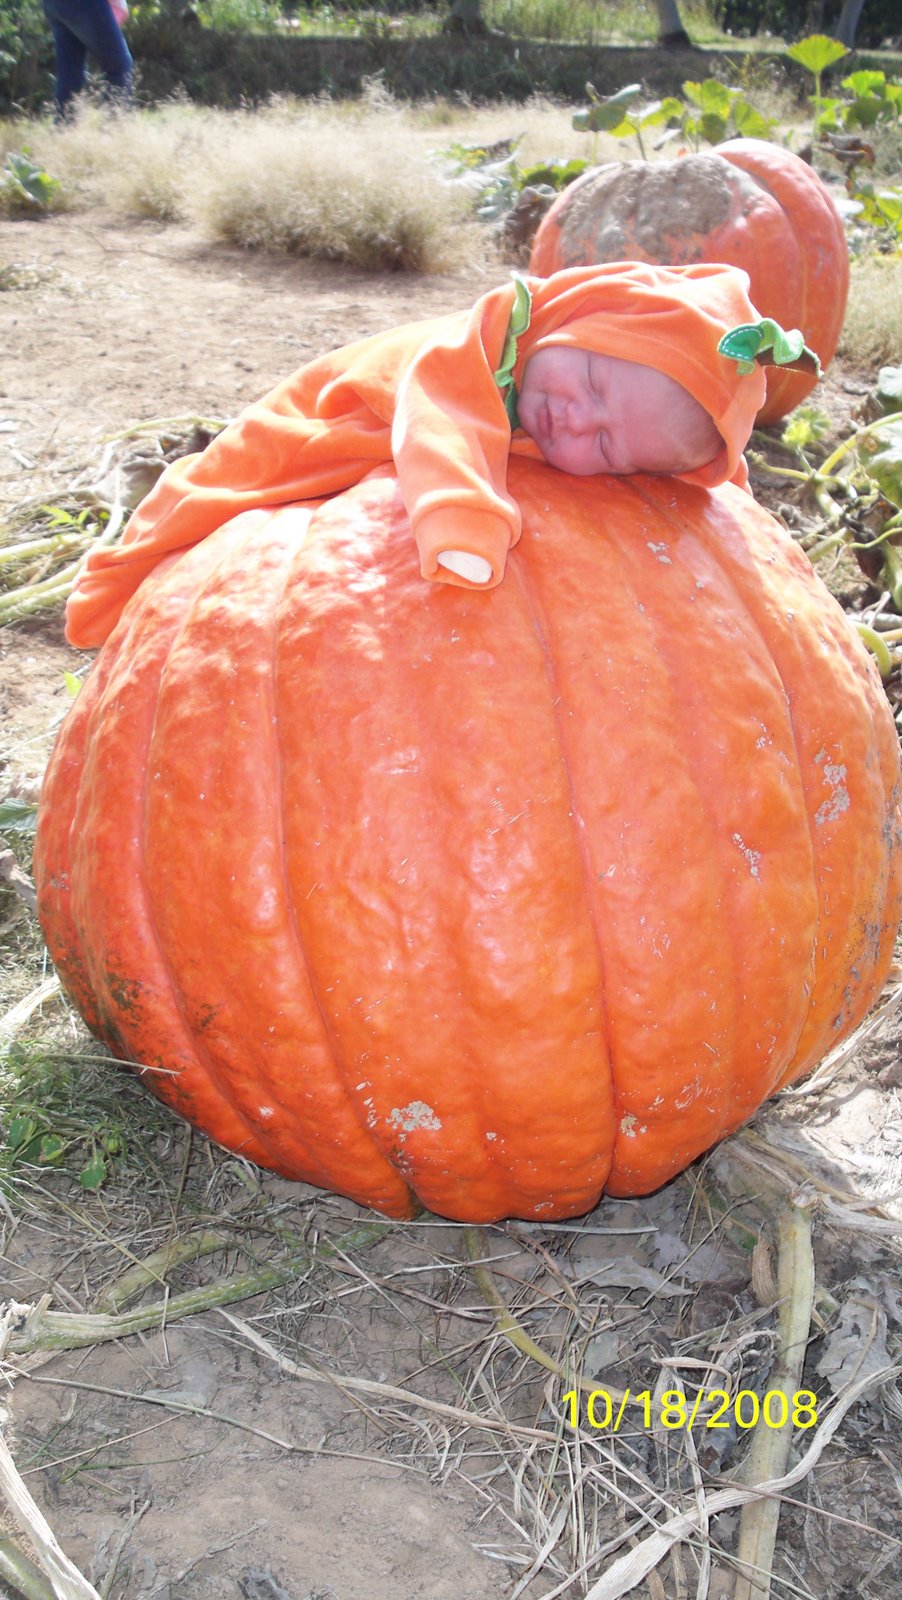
(556, 174)
(865, 83)
(830, 114)
(863, 113)
(20, 1132)
(889, 388)
(17, 816)
(817, 52)
(608, 115)
(94, 1174)
(713, 98)
(50, 1149)
(624, 97)
(884, 462)
(748, 121)
(713, 127)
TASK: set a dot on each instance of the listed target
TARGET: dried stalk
(35, 1327)
(770, 1447)
(66, 1580)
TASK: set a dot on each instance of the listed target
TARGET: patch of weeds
(856, 488)
(78, 1116)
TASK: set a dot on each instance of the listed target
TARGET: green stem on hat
(766, 344)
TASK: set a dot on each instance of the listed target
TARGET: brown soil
(107, 323)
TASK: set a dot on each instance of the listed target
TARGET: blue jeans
(83, 28)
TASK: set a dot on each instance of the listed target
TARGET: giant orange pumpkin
(487, 902)
(749, 203)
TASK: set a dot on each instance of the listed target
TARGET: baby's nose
(581, 415)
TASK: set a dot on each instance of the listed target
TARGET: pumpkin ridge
(344, 1071)
(230, 626)
(520, 569)
(703, 1067)
(858, 814)
(738, 609)
(464, 977)
(53, 851)
(256, 1134)
(123, 996)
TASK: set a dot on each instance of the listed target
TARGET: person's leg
(91, 25)
(71, 61)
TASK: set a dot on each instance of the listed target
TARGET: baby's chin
(576, 469)
(577, 466)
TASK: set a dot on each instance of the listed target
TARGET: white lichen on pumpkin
(414, 1117)
(753, 857)
(839, 800)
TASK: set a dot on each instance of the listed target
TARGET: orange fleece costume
(428, 396)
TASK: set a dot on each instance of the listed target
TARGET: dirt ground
(187, 1463)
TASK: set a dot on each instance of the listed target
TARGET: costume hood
(669, 318)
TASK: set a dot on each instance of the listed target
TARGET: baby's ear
(766, 344)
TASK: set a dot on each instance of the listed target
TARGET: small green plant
(720, 112)
(39, 571)
(17, 816)
(622, 116)
(497, 179)
(857, 488)
(816, 53)
(711, 111)
(869, 96)
(50, 1127)
(880, 209)
(24, 185)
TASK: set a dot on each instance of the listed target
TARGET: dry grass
(356, 181)
(872, 332)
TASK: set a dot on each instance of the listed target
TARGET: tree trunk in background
(465, 16)
(847, 25)
(670, 23)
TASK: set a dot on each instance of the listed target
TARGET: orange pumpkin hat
(669, 318)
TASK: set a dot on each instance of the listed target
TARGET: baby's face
(592, 413)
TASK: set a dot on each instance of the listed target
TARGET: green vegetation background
(234, 52)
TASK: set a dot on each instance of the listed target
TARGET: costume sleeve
(451, 441)
(317, 433)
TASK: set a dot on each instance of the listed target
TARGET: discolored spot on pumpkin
(620, 207)
(839, 801)
(414, 1117)
(753, 857)
(125, 993)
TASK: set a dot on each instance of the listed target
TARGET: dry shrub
(353, 184)
(348, 181)
(872, 334)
